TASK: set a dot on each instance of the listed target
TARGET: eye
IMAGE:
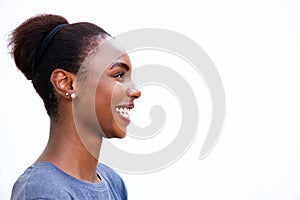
(119, 75)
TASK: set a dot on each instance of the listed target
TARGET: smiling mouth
(124, 111)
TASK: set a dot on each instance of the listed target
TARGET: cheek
(103, 96)
(103, 108)
(119, 92)
(108, 96)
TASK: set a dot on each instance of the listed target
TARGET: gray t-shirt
(43, 180)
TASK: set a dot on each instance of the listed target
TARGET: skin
(74, 147)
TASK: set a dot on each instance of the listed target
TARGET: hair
(66, 50)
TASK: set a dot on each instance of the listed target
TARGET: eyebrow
(120, 64)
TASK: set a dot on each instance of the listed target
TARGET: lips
(124, 111)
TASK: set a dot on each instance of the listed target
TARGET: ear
(63, 82)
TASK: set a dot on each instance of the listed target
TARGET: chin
(119, 133)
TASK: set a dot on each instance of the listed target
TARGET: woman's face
(115, 95)
(114, 91)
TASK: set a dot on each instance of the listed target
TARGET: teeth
(123, 111)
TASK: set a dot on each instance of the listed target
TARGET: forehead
(105, 54)
(99, 59)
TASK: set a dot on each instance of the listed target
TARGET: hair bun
(26, 38)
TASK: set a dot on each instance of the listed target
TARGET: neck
(72, 153)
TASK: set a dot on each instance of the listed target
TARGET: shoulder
(105, 170)
(113, 179)
(40, 181)
(108, 173)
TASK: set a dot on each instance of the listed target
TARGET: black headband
(42, 47)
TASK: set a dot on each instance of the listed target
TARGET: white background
(255, 46)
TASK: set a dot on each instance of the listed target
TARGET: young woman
(87, 91)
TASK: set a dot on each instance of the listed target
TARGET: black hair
(66, 50)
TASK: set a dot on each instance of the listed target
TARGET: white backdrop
(255, 46)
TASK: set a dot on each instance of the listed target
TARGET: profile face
(108, 76)
(115, 97)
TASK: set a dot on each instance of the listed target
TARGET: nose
(134, 93)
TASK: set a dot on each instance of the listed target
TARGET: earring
(67, 94)
(73, 95)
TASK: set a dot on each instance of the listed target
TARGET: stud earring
(67, 94)
(73, 95)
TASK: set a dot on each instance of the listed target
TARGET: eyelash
(119, 75)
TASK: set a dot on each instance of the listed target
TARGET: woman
(84, 81)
